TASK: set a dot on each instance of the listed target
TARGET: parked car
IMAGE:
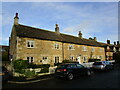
(102, 65)
(71, 70)
(4, 74)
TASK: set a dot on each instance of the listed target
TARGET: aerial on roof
(31, 32)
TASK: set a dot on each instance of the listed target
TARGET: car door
(73, 69)
(80, 69)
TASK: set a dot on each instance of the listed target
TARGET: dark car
(103, 65)
(4, 74)
(71, 70)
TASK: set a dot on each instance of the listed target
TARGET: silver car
(102, 65)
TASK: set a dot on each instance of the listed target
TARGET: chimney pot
(114, 43)
(57, 29)
(108, 41)
(80, 34)
(95, 38)
(117, 42)
(16, 18)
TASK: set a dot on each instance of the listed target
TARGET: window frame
(84, 48)
(30, 59)
(57, 59)
(31, 44)
(93, 49)
(56, 46)
(71, 47)
(71, 58)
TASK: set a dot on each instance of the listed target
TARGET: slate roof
(31, 32)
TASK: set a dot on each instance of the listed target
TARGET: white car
(102, 65)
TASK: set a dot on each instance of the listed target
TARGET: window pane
(31, 58)
(28, 44)
(27, 58)
(56, 59)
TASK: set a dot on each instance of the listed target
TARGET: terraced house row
(41, 46)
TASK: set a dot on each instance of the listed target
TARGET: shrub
(31, 65)
(22, 71)
(20, 65)
(29, 73)
(43, 66)
(44, 70)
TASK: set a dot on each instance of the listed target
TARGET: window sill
(30, 47)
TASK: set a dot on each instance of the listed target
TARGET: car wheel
(70, 76)
(88, 73)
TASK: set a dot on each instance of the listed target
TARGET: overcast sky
(93, 19)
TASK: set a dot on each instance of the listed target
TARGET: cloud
(59, 0)
(7, 20)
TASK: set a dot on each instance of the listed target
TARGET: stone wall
(45, 48)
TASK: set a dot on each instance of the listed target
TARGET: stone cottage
(41, 46)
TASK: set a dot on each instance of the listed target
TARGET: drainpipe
(62, 50)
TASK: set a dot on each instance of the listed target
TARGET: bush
(44, 70)
(20, 64)
(31, 65)
(29, 73)
(21, 71)
(43, 66)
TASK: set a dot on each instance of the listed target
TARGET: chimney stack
(80, 34)
(57, 29)
(16, 18)
(95, 38)
(114, 43)
(117, 42)
(108, 41)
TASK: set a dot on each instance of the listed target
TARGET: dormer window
(30, 44)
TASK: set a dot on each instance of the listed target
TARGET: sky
(93, 19)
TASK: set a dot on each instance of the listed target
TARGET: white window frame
(44, 58)
(71, 47)
(101, 50)
(71, 58)
(57, 58)
(84, 48)
(30, 59)
(93, 49)
(31, 42)
(100, 57)
(85, 58)
(56, 46)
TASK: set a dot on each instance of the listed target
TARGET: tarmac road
(102, 79)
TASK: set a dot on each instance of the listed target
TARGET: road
(109, 79)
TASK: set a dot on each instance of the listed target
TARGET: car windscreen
(97, 63)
